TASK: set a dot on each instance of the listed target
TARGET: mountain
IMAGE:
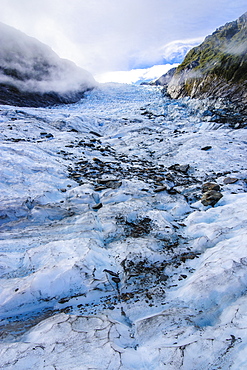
(165, 79)
(31, 74)
(216, 68)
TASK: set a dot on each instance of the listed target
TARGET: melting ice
(108, 258)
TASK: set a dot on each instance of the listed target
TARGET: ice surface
(108, 259)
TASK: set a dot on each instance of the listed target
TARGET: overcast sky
(108, 35)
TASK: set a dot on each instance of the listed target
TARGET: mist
(31, 66)
(104, 35)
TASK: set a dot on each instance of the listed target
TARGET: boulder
(208, 186)
(211, 197)
(230, 180)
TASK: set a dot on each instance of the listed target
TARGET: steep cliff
(217, 68)
(31, 74)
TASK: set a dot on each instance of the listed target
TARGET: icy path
(108, 260)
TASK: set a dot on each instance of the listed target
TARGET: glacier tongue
(108, 258)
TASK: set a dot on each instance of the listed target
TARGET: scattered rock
(49, 136)
(95, 133)
(181, 277)
(211, 197)
(97, 206)
(96, 159)
(64, 300)
(160, 188)
(172, 191)
(137, 228)
(114, 184)
(99, 188)
(16, 140)
(208, 186)
(206, 147)
(163, 277)
(230, 180)
(180, 167)
(112, 273)
(211, 194)
(116, 280)
(104, 181)
(108, 183)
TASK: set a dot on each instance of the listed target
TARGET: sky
(104, 36)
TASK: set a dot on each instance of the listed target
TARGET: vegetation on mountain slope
(216, 68)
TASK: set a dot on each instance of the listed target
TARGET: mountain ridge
(217, 68)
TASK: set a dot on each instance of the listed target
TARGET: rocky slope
(165, 79)
(217, 68)
(31, 74)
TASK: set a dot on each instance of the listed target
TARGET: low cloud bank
(28, 66)
(135, 76)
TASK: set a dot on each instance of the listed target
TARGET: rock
(163, 277)
(109, 183)
(210, 186)
(206, 147)
(116, 280)
(172, 191)
(230, 180)
(97, 206)
(114, 184)
(180, 167)
(211, 197)
(49, 136)
(182, 276)
(184, 168)
(160, 188)
(99, 188)
(95, 133)
(112, 273)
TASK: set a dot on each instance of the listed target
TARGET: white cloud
(177, 49)
(135, 75)
(106, 35)
(30, 65)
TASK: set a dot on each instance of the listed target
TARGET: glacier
(109, 260)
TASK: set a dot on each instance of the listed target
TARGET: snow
(108, 258)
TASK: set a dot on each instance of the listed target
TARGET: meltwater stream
(103, 236)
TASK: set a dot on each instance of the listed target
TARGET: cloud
(176, 50)
(107, 35)
(135, 75)
(30, 65)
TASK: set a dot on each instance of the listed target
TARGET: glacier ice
(152, 278)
